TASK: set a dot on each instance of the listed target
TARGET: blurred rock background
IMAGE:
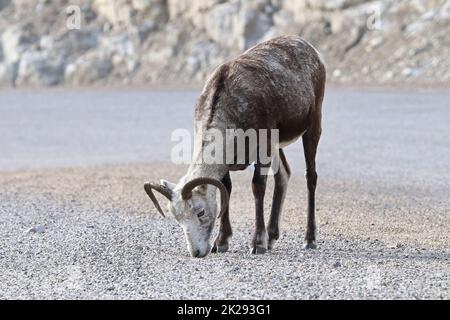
(179, 42)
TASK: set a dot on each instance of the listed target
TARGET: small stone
(37, 229)
(376, 42)
(337, 264)
(337, 73)
(408, 72)
(388, 75)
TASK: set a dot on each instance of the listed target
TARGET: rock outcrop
(60, 42)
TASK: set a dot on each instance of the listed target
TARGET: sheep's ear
(167, 184)
(201, 189)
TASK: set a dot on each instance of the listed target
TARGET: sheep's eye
(201, 213)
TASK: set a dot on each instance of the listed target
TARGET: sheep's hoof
(271, 244)
(259, 247)
(219, 248)
(258, 250)
(259, 243)
(311, 244)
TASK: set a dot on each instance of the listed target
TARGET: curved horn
(186, 192)
(164, 191)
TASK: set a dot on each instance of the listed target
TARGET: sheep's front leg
(259, 243)
(225, 231)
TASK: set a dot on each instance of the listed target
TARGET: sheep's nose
(197, 253)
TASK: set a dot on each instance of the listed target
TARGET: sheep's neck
(200, 168)
(216, 171)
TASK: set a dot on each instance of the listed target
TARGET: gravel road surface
(75, 222)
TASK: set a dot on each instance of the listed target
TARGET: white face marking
(196, 216)
(197, 238)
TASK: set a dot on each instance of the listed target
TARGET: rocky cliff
(140, 42)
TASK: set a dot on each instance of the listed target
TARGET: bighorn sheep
(277, 84)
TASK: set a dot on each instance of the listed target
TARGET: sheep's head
(194, 207)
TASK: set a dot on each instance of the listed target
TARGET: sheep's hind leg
(310, 142)
(281, 178)
(225, 232)
(259, 243)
